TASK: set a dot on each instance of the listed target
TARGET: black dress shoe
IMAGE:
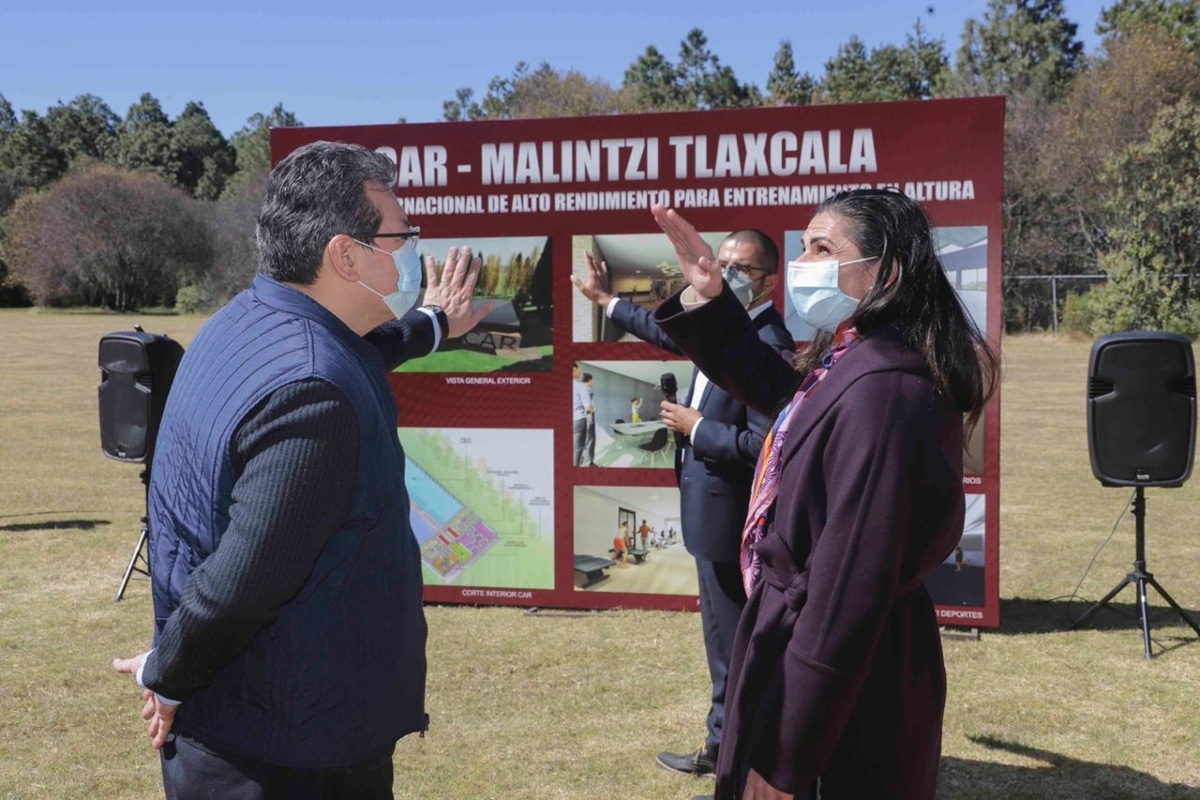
(701, 762)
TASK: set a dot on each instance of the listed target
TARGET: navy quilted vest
(339, 676)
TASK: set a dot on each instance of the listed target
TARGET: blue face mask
(813, 287)
(408, 279)
(742, 286)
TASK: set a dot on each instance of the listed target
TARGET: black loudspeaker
(136, 371)
(1141, 410)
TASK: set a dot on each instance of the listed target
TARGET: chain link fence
(1035, 302)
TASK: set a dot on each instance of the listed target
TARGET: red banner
(502, 512)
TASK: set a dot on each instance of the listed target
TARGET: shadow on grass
(57, 525)
(1057, 776)
(1019, 616)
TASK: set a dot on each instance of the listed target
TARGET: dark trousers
(191, 772)
(583, 434)
(721, 600)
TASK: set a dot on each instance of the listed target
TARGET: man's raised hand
(594, 284)
(455, 288)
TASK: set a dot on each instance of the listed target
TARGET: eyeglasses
(746, 270)
(412, 235)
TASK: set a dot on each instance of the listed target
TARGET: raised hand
(696, 258)
(454, 290)
(594, 284)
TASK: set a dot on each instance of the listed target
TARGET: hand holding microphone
(678, 418)
(670, 387)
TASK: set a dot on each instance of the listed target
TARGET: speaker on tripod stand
(1141, 422)
(136, 372)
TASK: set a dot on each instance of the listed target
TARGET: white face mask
(813, 287)
(408, 279)
(742, 286)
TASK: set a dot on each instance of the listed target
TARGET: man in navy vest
(721, 440)
(289, 642)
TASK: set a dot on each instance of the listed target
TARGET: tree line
(1102, 158)
(125, 213)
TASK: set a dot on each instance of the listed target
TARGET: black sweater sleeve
(403, 339)
(296, 462)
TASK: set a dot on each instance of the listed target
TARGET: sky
(331, 64)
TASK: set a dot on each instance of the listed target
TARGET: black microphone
(670, 387)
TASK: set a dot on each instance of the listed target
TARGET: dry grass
(576, 706)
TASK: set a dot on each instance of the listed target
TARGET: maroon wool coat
(837, 668)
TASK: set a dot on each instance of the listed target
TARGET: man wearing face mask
(289, 642)
(721, 440)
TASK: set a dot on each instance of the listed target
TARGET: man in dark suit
(721, 440)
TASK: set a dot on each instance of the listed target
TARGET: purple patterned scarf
(766, 474)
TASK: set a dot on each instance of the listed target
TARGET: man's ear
(770, 281)
(341, 254)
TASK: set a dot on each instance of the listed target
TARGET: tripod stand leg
(1141, 578)
(1144, 609)
(1191, 623)
(1103, 602)
(133, 559)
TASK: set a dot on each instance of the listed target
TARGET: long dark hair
(920, 300)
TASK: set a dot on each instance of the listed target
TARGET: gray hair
(314, 194)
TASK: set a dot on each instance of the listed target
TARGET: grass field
(570, 706)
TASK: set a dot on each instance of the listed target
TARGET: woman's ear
(895, 268)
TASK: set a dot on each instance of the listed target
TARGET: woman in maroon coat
(837, 669)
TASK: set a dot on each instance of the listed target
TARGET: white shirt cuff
(690, 299)
(437, 326)
(608, 309)
(166, 701)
